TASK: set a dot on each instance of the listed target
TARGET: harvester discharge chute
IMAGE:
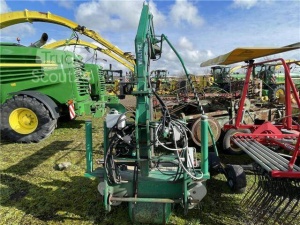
(273, 145)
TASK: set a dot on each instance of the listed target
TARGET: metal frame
(267, 132)
(150, 190)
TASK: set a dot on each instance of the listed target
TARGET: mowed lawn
(34, 191)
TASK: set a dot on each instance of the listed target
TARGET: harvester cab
(273, 79)
(273, 145)
(159, 82)
(221, 74)
(116, 83)
(227, 78)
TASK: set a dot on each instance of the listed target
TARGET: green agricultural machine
(148, 163)
(271, 84)
(37, 87)
(52, 80)
(273, 80)
(97, 77)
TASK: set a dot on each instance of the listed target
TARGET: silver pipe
(257, 160)
(272, 158)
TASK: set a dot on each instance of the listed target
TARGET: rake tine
(246, 198)
(252, 206)
(274, 198)
(295, 198)
(268, 208)
(260, 206)
(291, 192)
(265, 202)
(282, 211)
(257, 201)
(262, 194)
(274, 210)
(294, 217)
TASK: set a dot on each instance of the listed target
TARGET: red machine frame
(268, 133)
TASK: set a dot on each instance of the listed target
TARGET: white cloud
(255, 28)
(184, 11)
(4, 7)
(65, 3)
(116, 16)
(185, 43)
(11, 33)
(244, 4)
(248, 4)
(116, 21)
(225, 27)
(189, 53)
(51, 41)
(159, 19)
(112, 15)
(209, 53)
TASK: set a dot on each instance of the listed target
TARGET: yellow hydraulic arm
(62, 43)
(11, 18)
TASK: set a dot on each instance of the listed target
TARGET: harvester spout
(40, 42)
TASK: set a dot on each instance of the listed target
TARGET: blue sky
(199, 30)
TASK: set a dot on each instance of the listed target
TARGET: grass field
(33, 191)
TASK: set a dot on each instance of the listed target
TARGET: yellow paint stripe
(27, 65)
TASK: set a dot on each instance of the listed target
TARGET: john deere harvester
(37, 87)
(52, 81)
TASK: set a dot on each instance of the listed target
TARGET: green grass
(34, 192)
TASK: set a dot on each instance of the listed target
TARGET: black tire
(229, 147)
(236, 178)
(44, 125)
(213, 162)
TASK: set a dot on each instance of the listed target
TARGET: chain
(200, 108)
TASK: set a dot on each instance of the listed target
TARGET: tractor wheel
(228, 146)
(236, 178)
(24, 119)
(278, 92)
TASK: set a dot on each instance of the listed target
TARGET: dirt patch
(129, 101)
